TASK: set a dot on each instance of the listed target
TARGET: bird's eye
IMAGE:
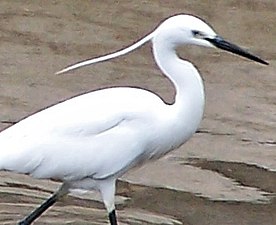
(197, 34)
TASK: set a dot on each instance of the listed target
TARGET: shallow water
(224, 175)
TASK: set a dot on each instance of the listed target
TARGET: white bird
(91, 140)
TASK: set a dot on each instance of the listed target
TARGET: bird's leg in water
(62, 191)
(112, 218)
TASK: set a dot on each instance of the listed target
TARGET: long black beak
(219, 42)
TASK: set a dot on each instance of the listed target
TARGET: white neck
(189, 100)
(187, 110)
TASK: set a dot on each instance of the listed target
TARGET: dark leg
(38, 211)
(44, 206)
(112, 218)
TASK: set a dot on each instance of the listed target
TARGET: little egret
(91, 140)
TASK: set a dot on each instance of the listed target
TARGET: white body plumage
(90, 140)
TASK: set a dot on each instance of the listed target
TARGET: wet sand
(224, 175)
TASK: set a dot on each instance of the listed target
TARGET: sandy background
(224, 175)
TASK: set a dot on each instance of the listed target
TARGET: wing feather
(97, 134)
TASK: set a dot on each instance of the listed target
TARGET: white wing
(94, 135)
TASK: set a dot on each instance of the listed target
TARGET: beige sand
(223, 175)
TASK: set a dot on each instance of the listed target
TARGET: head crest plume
(109, 56)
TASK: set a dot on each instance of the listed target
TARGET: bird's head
(175, 31)
(184, 29)
(188, 29)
